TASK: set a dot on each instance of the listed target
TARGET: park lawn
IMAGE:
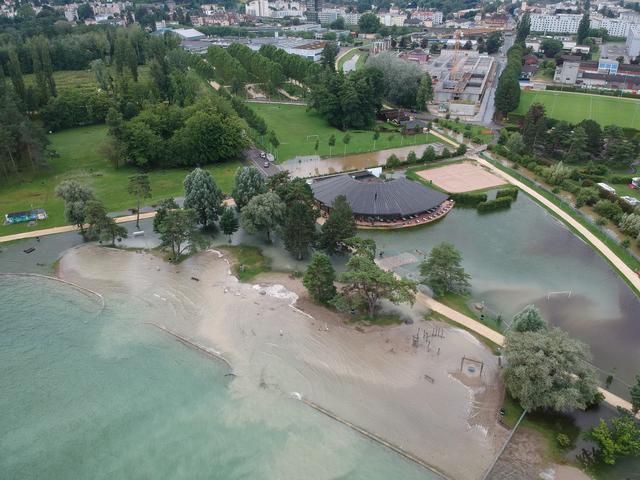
(575, 107)
(80, 159)
(297, 130)
(83, 79)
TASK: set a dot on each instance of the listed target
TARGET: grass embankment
(575, 107)
(297, 130)
(346, 57)
(80, 159)
(248, 261)
(549, 425)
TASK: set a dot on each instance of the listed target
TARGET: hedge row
(497, 204)
(469, 199)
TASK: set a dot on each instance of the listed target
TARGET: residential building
(314, 7)
(432, 16)
(633, 41)
(392, 19)
(564, 23)
(258, 8)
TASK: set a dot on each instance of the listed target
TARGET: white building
(564, 23)
(428, 16)
(258, 8)
(633, 41)
(392, 19)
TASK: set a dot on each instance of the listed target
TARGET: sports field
(575, 107)
(297, 129)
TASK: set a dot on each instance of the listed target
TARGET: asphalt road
(252, 158)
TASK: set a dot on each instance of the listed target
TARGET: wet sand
(278, 343)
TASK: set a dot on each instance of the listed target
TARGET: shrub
(469, 199)
(492, 205)
(512, 193)
(563, 440)
(571, 186)
(393, 161)
(608, 209)
(620, 179)
(587, 196)
(556, 190)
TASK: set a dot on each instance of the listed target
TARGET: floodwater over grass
(524, 255)
(96, 393)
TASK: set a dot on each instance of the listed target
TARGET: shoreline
(275, 339)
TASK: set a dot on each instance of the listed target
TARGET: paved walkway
(72, 228)
(497, 338)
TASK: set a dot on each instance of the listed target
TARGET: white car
(265, 164)
(263, 155)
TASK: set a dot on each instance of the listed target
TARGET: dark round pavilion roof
(398, 197)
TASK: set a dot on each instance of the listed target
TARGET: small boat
(196, 279)
(29, 250)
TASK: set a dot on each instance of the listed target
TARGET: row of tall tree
(584, 142)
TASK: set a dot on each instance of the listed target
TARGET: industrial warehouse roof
(399, 197)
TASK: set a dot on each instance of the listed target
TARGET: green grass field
(575, 107)
(83, 79)
(298, 130)
(80, 159)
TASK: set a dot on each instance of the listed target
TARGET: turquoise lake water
(92, 393)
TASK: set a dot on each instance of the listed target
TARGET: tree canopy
(203, 196)
(401, 78)
(546, 369)
(528, 319)
(339, 226)
(319, 278)
(264, 213)
(443, 270)
(365, 284)
(249, 182)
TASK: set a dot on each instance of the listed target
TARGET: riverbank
(278, 341)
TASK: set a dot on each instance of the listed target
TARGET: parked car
(263, 155)
(265, 164)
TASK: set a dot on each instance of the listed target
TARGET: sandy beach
(281, 346)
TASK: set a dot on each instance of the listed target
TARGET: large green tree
(329, 54)
(203, 196)
(443, 270)
(161, 213)
(101, 226)
(319, 278)
(179, 232)
(620, 437)
(76, 197)
(365, 284)
(584, 27)
(140, 187)
(264, 213)
(507, 96)
(249, 182)
(228, 222)
(299, 229)
(546, 369)
(524, 28)
(369, 23)
(529, 319)
(425, 92)
(339, 225)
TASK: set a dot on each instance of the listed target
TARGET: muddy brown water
(313, 165)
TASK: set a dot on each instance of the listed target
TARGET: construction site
(460, 81)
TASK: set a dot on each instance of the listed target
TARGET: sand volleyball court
(461, 177)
